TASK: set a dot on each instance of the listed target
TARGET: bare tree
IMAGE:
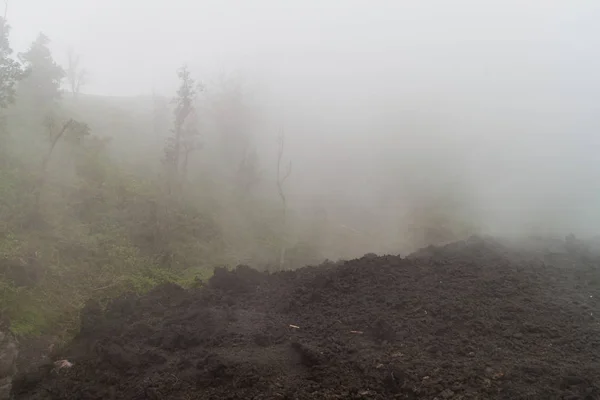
(76, 75)
(281, 178)
(75, 132)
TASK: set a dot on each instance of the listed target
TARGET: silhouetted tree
(11, 70)
(185, 131)
(41, 86)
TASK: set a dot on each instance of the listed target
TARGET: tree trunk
(42, 178)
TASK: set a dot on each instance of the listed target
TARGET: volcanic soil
(477, 319)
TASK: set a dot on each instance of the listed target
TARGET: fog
(487, 111)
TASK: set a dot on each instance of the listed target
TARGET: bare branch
(55, 140)
(287, 173)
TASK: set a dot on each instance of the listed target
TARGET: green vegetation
(103, 195)
(77, 222)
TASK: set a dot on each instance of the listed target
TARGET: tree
(185, 131)
(281, 178)
(42, 85)
(72, 131)
(11, 70)
(76, 75)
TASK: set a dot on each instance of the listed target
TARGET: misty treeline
(100, 195)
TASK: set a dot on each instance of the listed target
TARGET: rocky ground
(479, 319)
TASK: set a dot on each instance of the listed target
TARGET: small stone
(518, 335)
(446, 394)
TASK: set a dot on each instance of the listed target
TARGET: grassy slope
(105, 226)
(93, 237)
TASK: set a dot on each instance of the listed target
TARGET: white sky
(509, 88)
(130, 45)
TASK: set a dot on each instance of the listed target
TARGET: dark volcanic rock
(471, 320)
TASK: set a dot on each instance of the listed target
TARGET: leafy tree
(42, 85)
(185, 131)
(11, 70)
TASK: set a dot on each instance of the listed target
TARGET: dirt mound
(472, 320)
